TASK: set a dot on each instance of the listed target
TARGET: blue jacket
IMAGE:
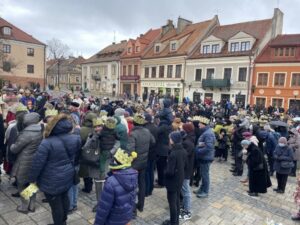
(271, 143)
(117, 199)
(207, 151)
(282, 154)
(52, 168)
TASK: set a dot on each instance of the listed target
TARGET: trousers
(59, 205)
(174, 205)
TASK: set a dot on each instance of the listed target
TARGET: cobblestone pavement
(228, 203)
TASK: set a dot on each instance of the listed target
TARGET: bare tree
(57, 51)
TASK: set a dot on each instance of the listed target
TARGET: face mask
(281, 144)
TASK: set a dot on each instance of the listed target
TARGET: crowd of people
(126, 149)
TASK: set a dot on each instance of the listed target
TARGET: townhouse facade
(22, 57)
(101, 72)
(276, 75)
(65, 73)
(220, 67)
(131, 62)
(163, 65)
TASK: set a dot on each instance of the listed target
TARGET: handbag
(286, 164)
(90, 154)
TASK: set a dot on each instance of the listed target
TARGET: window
(6, 30)
(135, 71)
(277, 102)
(261, 102)
(178, 71)
(287, 52)
(262, 79)
(245, 46)
(198, 75)
(292, 51)
(30, 51)
(210, 73)
(6, 48)
(215, 48)
(276, 51)
(279, 79)
(169, 71)
(129, 50)
(173, 46)
(137, 48)
(30, 68)
(124, 70)
(113, 69)
(296, 79)
(153, 72)
(146, 72)
(234, 47)
(161, 71)
(227, 73)
(77, 79)
(206, 49)
(130, 70)
(281, 52)
(6, 66)
(242, 74)
(157, 48)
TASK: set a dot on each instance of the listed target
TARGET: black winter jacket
(189, 146)
(163, 139)
(154, 131)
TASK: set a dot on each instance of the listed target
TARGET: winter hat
(176, 137)
(75, 104)
(122, 159)
(119, 112)
(245, 142)
(148, 117)
(188, 127)
(247, 134)
(282, 140)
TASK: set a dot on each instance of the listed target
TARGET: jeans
(187, 195)
(204, 170)
(142, 189)
(59, 207)
(73, 195)
(150, 177)
(174, 205)
(281, 181)
(161, 167)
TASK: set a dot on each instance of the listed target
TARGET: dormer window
(235, 47)
(173, 46)
(6, 30)
(157, 48)
(129, 50)
(245, 45)
(215, 48)
(206, 49)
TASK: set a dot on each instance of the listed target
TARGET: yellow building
(22, 57)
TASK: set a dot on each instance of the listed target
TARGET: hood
(167, 103)
(127, 178)
(60, 124)
(31, 118)
(88, 120)
(118, 118)
(34, 127)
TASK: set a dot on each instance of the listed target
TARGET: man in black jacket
(175, 172)
(140, 141)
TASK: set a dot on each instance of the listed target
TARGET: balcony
(216, 83)
(96, 77)
(130, 77)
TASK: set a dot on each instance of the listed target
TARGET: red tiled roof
(17, 34)
(191, 32)
(287, 40)
(144, 39)
(257, 29)
(109, 53)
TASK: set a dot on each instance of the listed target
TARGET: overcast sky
(87, 26)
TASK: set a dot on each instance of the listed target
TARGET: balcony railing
(130, 77)
(96, 77)
(216, 83)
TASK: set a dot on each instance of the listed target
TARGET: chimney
(181, 24)
(277, 22)
(167, 27)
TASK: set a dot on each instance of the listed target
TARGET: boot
(31, 206)
(98, 188)
(23, 208)
(296, 217)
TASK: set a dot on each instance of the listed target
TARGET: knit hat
(188, 127)
(98, 122)
(282, 140)
(111, 123)
(247, 134)
(148, 117)
(245, 142)
(119, 112)
(122, 159)
(51, 112)
(139, 119)
(176, 137)
(21, 108)
(75, 104)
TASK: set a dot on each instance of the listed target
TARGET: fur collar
(53, 123)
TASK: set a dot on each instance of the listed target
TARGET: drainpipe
(184, 78)
(45, 78)
(249, 80)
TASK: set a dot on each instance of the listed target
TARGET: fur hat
(122, 159)
(111, 123)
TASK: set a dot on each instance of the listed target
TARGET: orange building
(276, 74)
